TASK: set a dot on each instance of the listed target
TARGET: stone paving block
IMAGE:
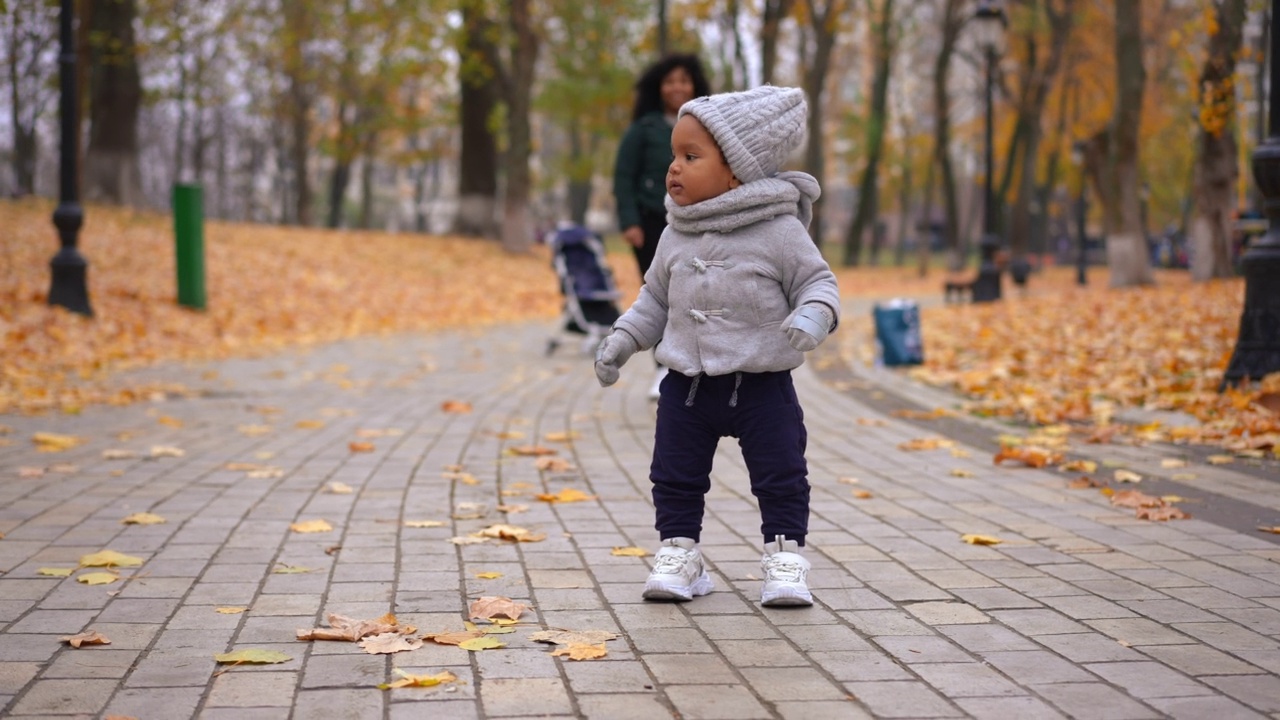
(155, 588)
(1145, 680)
(678, 669)
(305, 605)
(902, 699)
(1209, 598)
(734, 627)
(630, 706)
(995, 598)
(135, 610)
(854, 599)
(1199, 660)
(1085, 607)
(253, 689)
(1088, 647)
(667, 640)
(969, 679)
(512, 697)
(193, 642)
(793, 683)
(1022, 707)
(416, 709)
(15, 675)
(65, 697)
(824, 637)
(822, 710)
(962, 578)
(11, 610)
(760, 653)
(1036, 667)
(341, 704)
(60, 622)
(886, 622)
(177, 702)
(986, 638)
(1095, 700)
(239, 713)
(921, 649)
(1200, 707)
(1138, 631)
(1227, 636)
(517, 662)
(716, 702)
(19, 648)
(947, 613)
(1261, 692)
(1260, 620)
(1038, 622)
(92, 662)
(615, 676)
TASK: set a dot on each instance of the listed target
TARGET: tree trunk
(1215, 166)
(867, 190)
(517, 225)
(111, 172)
(32, 29)
(298, 30)
(823, 19)
(1127, 257)
(1038, 82)
(368, 166)
(478, 157)
(775, 11)
(579, 190)
(952, 21)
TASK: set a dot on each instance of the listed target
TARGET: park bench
(958, 289)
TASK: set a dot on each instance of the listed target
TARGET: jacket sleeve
(806, 277)
(626, 177)
(646, 319)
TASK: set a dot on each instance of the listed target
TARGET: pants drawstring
(693, 390)
(737, 380)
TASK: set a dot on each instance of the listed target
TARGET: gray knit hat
(757, 130)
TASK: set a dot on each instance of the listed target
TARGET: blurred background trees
(497, 118)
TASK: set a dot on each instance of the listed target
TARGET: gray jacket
(723, 281)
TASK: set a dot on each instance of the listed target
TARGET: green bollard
(188, 233)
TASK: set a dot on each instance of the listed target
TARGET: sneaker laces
(784, 569)
(670, 561)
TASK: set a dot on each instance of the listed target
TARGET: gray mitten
(613, 353)
(807, 326)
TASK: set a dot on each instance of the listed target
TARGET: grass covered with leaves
(1059, 354)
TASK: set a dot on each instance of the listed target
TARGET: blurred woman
(639, 175)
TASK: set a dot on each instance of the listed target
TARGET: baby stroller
(586, 283)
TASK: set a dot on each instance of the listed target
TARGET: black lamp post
(69, 288)
(1257, 351)
(989, 21)
(1082, 213)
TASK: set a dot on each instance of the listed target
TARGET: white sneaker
(785, 571)
(655, 390)
(678, 572)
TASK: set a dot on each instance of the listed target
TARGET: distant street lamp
(1257, 351)
(1082, 212)
(69, 288)
(989, 24)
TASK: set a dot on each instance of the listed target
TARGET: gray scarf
(786, 193)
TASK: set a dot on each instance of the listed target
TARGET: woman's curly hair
(649, 86)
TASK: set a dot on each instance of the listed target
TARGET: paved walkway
(1083, 611)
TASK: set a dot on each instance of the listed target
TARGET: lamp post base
(986, 288)
(1257, 351)
(70, 287)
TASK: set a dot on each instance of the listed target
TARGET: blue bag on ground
(898, 332)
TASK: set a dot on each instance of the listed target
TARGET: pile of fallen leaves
(1083, 355)
(268, 287)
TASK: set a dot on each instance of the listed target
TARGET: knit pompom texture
(757, 130)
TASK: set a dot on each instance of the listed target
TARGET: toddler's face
(698, 171)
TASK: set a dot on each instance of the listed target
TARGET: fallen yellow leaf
(1220, 459)
(230, 610)
(581, 651)
(88, 637)
(489, 575)
(424, 523)
(481, 643)
(338, 488)
(252, 655)
(143, 518)
(360, 447)
(565, 496)
(55, 572)
(957, 472)
(54, 442)
(1127, 476)
(311, 526)
(109, 558)
(981, 539)
(98, 578)
(629, 552)
(407, 680)
(309, 424)
(862, 494)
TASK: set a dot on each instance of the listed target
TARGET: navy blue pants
(761, 410)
